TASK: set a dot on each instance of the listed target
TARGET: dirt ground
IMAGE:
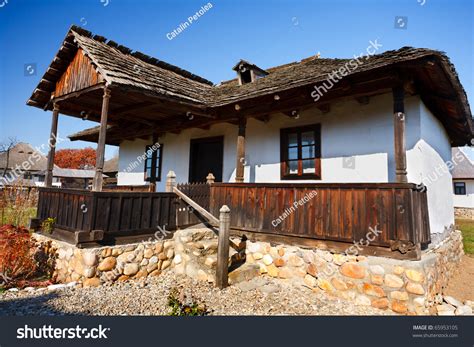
(461, 285)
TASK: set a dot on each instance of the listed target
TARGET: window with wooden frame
(300, 152)
(153, 163)
(459, 188)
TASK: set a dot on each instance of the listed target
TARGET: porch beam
(75, 95)
(239, 171)
(399, 134)
(52, 146)
(99, 165)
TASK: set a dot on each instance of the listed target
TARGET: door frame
(219, 139)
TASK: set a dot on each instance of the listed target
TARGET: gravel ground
(261, 296)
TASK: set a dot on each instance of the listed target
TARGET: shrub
(178, 308)
(17, 204)
(17, 254)
(48, 225)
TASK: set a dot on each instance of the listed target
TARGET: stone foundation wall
(462, 212)
(96, 266)
(404, 286)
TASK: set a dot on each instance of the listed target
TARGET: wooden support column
(99, 164)
(152, 187)
(222, 267)
(399, 132)
(52, 146)
(240, 165)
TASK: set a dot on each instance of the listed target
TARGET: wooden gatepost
(222, 270)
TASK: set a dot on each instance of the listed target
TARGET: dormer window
(247, 72)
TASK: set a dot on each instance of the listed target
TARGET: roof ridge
(141, 56)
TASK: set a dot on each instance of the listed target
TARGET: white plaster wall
(427, 163)
(468, 199)
(364, 132)
(175, 151)
(131, 164)
(350, 129)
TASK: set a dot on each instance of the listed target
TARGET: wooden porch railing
(87, 216)
(337, 212)
(199, 193)
(126, 188)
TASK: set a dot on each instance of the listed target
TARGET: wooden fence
(330, 212)
(199, 193)
(113, 213)
(336, 212)
(125, 188)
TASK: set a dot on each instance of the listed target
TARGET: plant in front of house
(17, 204)
(48, 225)
(176, 301)
(21, 262)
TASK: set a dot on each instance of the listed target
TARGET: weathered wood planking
(80, 74)
(339, 212)
(199, 193)
(116, 213)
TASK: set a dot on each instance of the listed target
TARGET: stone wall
(404, 286)
(463, 212)
(96, 266)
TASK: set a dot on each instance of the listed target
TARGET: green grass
(467, 228)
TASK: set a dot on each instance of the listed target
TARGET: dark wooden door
(206, 155)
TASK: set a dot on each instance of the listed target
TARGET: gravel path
(261, 296)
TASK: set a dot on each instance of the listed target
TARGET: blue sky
(267, 33)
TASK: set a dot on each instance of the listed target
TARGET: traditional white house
(387, 118)
(26, 166)
(463, 180)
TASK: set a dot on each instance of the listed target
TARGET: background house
(463, 181)
(27, 167)
(111, 171)
(72, 178)
(23, 164)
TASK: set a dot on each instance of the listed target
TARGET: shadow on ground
(32, 306)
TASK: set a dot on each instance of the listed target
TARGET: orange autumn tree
(83, 158)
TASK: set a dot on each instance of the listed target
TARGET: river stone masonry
(403, 286)
(464, 212)
(95, 266)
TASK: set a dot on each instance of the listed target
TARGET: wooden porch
(329, 216)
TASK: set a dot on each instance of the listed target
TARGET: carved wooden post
(48, 182)
(152, 187)
(170, 181)
(399, 132)
(222, 270)
(240, 166)
(210, 178)
(99, 164)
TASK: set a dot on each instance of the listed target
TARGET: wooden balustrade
(338, 213)
(344, 212)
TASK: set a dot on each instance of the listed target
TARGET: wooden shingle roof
(120, 65)
(436, 79)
